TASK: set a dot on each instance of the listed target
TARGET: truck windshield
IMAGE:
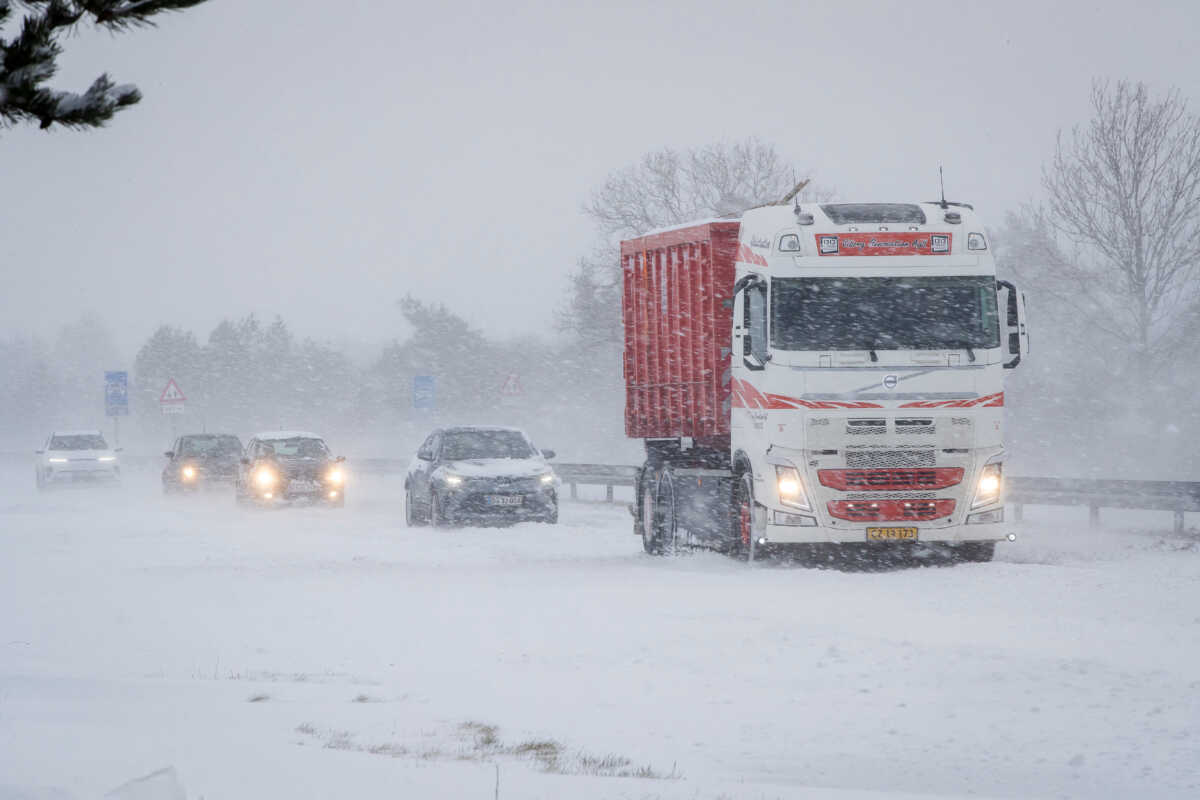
(936, 313)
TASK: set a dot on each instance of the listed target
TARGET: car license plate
(504, 499)
(303, 486)
(891, 534)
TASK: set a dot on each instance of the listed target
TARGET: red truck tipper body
(678, 312)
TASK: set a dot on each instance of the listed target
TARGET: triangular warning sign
(172, 393)
(512, 386)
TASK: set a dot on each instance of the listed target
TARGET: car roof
(465, 428)
(92, 432)
(286, 435)
(207, 435)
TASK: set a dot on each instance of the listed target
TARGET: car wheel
(239, 497)
(552, 517)
(436, 518)
(411, 517)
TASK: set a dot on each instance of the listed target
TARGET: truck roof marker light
(883, 227)
(953, 217)
(914, 227)
(975, 241)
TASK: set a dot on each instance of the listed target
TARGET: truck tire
(975, 552)
(659, 521)
(744, 546)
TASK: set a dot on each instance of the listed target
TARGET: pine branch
(30, 59)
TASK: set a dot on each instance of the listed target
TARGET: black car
(286, 466)
(199, 460)
(482, 475)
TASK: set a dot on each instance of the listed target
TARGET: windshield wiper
(963, 346)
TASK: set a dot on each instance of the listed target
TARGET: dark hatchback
(198, 460)
(478, 475)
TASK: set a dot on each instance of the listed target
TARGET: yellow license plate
(891, 534)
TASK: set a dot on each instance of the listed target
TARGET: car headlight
(188, 472)
(107, 458)
(791, 488)
(451, 479)
(988, 489)
(548, 479)
(335, 475)
(265, 477)
(58, 460)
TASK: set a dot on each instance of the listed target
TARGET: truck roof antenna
(942, 181)
(794, 193)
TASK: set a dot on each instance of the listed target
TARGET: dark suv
(480, 474)
(201, 459)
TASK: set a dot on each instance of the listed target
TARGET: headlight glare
(265, 477)
(188, 472)
(335, 475)
(548, 479)
(58, 461)
(988, 489)
(452, 480)
(107, 458)
(791, 488)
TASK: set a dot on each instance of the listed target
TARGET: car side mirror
(39, 452)
(547, 454)
(169, 454)
(246, 461)
(340, 459)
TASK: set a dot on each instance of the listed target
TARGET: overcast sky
(319, 160)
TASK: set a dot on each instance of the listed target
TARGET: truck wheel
(975, 552)
(651, 541)
(667, 529)
(744, 546)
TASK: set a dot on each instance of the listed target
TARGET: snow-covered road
(312, 653)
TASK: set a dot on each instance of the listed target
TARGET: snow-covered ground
(315, 653)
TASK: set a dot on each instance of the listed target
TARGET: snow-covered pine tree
(29, 59)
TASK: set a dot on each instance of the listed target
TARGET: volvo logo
(889, 382)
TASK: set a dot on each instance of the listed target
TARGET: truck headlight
(335, 476)
(265, 477)
(988, 489)
(791, 488)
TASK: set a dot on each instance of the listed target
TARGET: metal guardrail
(1174, 496)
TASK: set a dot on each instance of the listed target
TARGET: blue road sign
(424, 391)
(116, 394)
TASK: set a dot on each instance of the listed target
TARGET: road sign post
(116, 400)
(172, 399)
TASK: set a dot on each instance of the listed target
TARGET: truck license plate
(891, 534)
(504, 499)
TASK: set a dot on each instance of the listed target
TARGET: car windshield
(884, 313)
(465, 445)
(84, 441)
(211, 446)
(299, 447)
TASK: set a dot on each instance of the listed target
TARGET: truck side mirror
(169, 454)
(1014, 317)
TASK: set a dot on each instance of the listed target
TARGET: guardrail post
(1179, 522)
(608, 496)
(1093, 515)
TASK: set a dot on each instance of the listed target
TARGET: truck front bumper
(795, 534)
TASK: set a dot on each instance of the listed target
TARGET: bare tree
(668, 187)
(1118, 240)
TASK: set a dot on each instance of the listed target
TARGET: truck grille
(889, 459)
(845, 480)
(890, 510)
